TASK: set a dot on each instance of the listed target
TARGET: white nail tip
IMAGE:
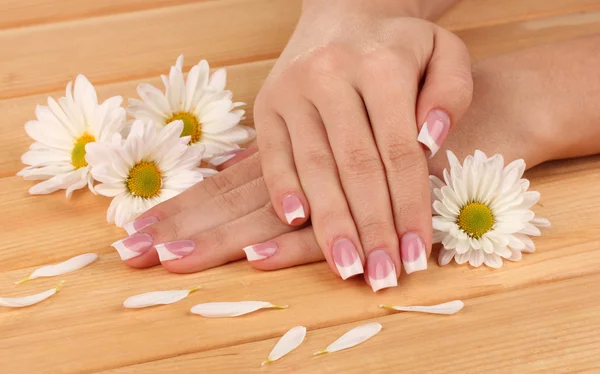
(218, 160)
(232, 309)
(350, 271)
(298, 213)
(157, 298)
(164, 254)
(418, 265)
(352, 338)
(129, 228)
(124, 252)
(450, 307)
(20, 302)
(288, 342)
(251, 254)
(426, 139)
(389, 281)
(64, 267)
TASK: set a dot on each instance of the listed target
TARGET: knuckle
(164, 231)
(219, 183)
(399, 153)
(359, 162)
(317, 160)
(325, 61)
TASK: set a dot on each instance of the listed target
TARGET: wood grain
(537, 315)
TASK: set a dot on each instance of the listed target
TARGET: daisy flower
(61, 132)
(210, 117)
(482, 211)
(148, 167)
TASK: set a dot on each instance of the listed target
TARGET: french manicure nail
(175, 250)
(133, 246)
(434, 130)
(139, 224)
(346, 258)
(261, 251)
(412, 249)
(218, 160)
(381, 270)
(292, 208)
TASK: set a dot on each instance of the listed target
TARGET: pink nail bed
(381, 270)
(133, 246)
(414, 255)
(140, 224)
(292, 208)
(175, 250)
(434, 130)
(346, 258)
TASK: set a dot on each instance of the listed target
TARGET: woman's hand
(338, 121)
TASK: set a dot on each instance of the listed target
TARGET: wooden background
(538, 315)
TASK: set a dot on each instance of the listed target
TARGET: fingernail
(412, 249)
(174, 250)
(218, 160)
(434, 130)
(133, 246)
(261, 251)
(346, 258)
(139, 224)
(292, 208)
(381, 270)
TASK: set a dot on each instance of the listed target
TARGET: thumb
(447, 90)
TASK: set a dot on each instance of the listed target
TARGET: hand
(338, 120)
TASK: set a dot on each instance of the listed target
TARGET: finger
(446, 92)
(233, 157)
(291, 249)
(208, 215)
(331, 218)
(218, 184)
(278, 166)
(223, 244)
(390, 95)
(364, 183)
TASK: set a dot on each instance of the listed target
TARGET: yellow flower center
(78, 152)
(475, 219)
(191, 125)
(144, 180)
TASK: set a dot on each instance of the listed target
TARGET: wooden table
(539, 315)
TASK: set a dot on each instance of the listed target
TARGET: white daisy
(483, 211)
(148, 167)
(61, 132)
(209, 115)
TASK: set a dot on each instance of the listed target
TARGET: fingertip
(143, 261)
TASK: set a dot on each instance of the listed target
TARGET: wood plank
(545, 328)
(470, 14)
(87, 314)
(142, 44)
(22, 13)
(232, 31)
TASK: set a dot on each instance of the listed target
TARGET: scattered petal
(288, 342)
(353, 337)
(20, 302)
(450, 307)
(232, 309)
(157, 298)
(64, 267)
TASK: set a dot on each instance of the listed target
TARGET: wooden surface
(539, 315)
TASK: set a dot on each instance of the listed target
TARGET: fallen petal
(353, 337)
(232, 309)
(157, 298)
(450, 307)
(64, 267)
(20, 302)
(288, 342)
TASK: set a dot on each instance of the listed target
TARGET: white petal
(476, 258)
(445, 256)
(450, 307)
(19, 302)
(231, 309)
(516, 255)
(540, 222)
(288, 342)
(64, 267)
(462, 258)
(157, 298)
(492, 260)
(353, 337)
